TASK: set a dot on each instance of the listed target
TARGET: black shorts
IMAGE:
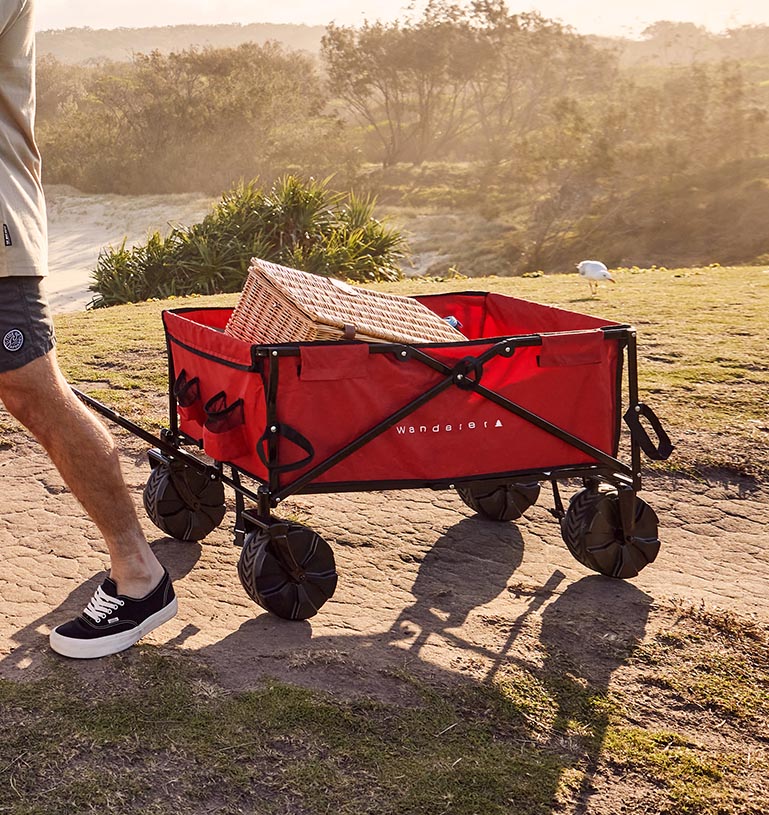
(26, 327)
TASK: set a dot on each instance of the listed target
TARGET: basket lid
(374, 315)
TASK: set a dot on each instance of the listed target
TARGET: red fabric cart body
(303, 403)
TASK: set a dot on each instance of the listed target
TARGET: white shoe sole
(113, 644)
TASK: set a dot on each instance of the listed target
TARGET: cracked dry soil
(426, 588)
(423, 582)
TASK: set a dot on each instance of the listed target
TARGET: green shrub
(297, 223)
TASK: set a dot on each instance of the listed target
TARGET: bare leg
(85, 455)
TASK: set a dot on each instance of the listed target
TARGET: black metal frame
(466, 374)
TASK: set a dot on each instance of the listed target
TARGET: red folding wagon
(532, 394)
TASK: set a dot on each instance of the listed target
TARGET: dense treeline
(470, 107)
(188, 121)
(89, 46)
(669, 43)
(663, 43)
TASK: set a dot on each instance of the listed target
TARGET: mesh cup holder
(189, 404)
(224, 431)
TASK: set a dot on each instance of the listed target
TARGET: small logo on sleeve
(13, 340)
(7, 235)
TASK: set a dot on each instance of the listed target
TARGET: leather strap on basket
(664, 447)
(295, 437)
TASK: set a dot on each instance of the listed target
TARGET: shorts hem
(15, 270)
(30, 354)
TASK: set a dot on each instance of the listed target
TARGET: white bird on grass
(594, 271)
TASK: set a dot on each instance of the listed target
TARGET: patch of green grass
(527, 694)
(164, 737)
(714, 661)
(691, 780)
(279, 743)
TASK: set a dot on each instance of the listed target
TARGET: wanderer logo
(13, 340)
(443, 427)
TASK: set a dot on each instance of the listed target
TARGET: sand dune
(81, 225)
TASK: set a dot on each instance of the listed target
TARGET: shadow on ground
(570, 643)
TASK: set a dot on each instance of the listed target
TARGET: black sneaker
(112, 622)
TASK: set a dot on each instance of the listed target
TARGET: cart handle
(295, 437)
(664, 447)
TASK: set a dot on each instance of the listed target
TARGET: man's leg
(139, 595)
(85, 455)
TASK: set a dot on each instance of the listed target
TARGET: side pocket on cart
(224, 431)
(189, 404)
(568, 350)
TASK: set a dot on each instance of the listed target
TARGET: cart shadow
(31, 651)
(468, 566)
(588, 633)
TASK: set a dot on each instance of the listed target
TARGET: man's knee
(28, 392)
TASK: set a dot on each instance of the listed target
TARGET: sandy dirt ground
(81, 225)
(423, 582)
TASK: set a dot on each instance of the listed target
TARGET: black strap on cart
(664, 447)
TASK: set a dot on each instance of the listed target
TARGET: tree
(459, 78)
(408, 83)
(524, 63)
(196, 120)
(682, 43)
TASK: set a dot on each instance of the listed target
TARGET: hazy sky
(587, 16)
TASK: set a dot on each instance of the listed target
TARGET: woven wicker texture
(285, 305)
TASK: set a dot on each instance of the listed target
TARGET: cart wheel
(183, 502)
(267, 577)
(593, 532)
(500, 502)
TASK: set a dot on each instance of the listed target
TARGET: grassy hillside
(661, 708)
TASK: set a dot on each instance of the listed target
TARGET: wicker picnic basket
(285, 305)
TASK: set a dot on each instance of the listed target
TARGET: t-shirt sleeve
(9, 12)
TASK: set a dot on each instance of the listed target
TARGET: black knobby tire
(268, 582)
(182, 502)
(500, 502)
(592, 530)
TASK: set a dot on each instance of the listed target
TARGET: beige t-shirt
(23, 227)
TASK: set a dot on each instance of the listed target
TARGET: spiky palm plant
(298, 223)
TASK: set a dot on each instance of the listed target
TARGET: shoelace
(101, 605)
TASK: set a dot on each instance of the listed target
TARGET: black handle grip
(295, 437)
(664, 447)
